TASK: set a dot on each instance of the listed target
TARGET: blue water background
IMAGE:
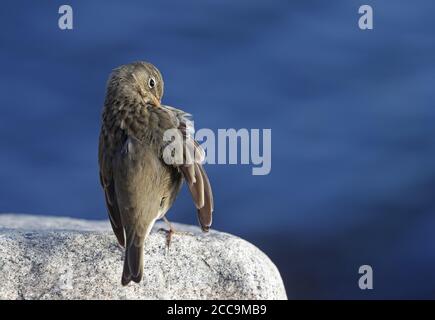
(352, 115)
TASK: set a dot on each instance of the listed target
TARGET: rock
(64, 258)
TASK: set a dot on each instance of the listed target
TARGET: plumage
(139, 184)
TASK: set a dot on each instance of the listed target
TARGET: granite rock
(45, 257)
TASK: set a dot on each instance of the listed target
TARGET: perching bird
(139, 183)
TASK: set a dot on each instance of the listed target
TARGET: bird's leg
(170, 232)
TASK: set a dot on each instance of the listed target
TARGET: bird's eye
(151, 83)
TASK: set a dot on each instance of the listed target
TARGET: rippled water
(352, 115)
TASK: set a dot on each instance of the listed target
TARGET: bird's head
(140, 80)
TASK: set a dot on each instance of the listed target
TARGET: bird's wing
(106, 179)
(191, 168)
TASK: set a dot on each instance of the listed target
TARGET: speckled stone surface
(64, 258)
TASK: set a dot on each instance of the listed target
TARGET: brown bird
(140, 184)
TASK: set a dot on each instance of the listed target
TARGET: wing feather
(106, 179)
(192, 169)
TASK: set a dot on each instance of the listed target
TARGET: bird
(139, 183)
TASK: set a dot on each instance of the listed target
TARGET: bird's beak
(151, 99)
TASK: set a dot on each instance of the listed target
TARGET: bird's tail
(133, 261)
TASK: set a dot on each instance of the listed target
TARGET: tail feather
(135, 258)
(133, 261)
(126, 275)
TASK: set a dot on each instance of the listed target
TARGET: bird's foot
(171, 232)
